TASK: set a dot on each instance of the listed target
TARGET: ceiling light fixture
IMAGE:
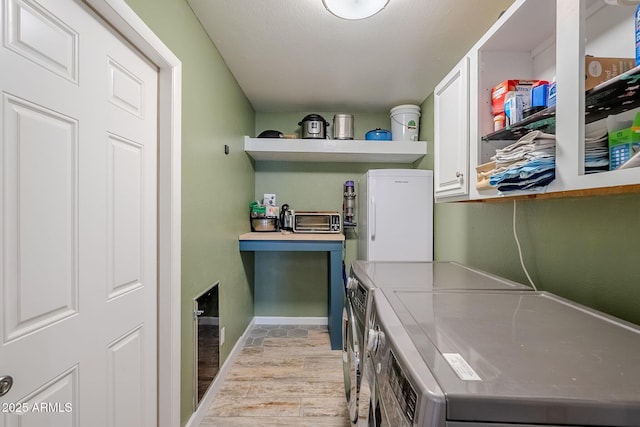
(354, 9)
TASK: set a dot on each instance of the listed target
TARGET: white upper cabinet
(451, 133)
(540, 40)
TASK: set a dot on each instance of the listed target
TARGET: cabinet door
(451, 133)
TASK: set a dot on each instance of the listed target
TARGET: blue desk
(330, 243)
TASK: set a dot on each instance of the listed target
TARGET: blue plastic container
(378, 135)
(539, 96)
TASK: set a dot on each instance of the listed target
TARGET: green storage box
(623, 144)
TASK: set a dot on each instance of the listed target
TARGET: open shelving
(615, 96)
(334, 150)
(541, 40)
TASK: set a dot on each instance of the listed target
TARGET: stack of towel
(526, 164)
(596, 151)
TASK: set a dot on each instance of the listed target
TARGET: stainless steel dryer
(365, 276)
(495, 358)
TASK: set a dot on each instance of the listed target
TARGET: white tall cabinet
(533, 39)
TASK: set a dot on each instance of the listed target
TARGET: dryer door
(350, 359)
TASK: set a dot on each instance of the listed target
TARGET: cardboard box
(599, 70)
(500, 90)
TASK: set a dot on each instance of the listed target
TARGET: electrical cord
(515, 235)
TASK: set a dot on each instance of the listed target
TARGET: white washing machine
(495, 358)
(365, 277)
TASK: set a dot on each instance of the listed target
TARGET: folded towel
(525, 164)
(523, 171)
(534, 181)
(535, 141)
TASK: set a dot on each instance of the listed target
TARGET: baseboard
(201, 411)
(277, 320)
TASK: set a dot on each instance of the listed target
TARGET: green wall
(584, 249)
(295, 284)
(216, 188)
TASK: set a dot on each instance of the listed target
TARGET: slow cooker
(314, 126)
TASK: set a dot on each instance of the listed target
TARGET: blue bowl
(378, 135)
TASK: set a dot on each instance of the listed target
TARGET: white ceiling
(293, 55)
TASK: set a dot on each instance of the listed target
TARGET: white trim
(275, 320)
(207, 399)
(122, 18)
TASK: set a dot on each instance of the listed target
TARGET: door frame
(123, 19)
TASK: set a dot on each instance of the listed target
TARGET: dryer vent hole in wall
(208, 337)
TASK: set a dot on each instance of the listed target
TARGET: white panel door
(78, 285)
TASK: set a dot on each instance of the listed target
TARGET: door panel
(40, 279)
(37, 34)
(125, 222)
(51, 405)
(125, 88)
(126, 380)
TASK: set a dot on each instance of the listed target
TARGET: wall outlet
(221, 336)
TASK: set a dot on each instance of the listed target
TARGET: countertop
(288, 236)
(331, 243)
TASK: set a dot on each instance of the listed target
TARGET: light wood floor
(285, 376)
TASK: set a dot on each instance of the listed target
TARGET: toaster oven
(317, 222)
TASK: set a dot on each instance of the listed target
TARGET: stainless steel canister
(343, 126)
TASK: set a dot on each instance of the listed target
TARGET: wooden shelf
(585, 192)
(333, 150)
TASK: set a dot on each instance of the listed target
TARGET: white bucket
(405, 122)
